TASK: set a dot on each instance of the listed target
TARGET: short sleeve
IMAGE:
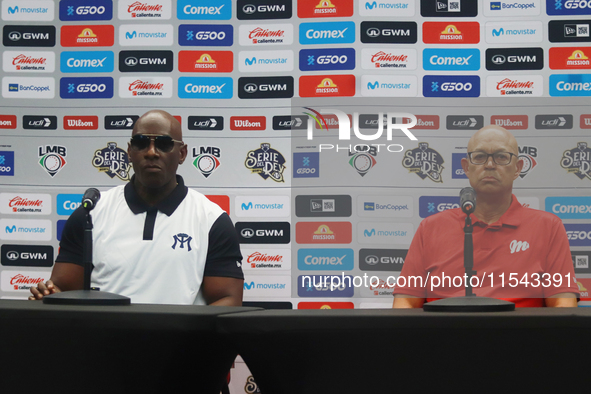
(223, 253)
(413, 267)
(72, 241)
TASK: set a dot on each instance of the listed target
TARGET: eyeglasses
(500, 158)
(164, 143)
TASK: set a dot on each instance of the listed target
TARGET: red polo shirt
(525, 248)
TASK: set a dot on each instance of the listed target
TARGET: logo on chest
(518, 246)
(182, 240)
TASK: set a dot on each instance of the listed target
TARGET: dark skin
(155, 179)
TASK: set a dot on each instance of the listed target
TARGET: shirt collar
(166, 206)
(511, 217)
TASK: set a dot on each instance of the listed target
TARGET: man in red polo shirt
(520, 254)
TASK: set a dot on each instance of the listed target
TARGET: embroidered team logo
(113, 161)
(578, 161)
(363, 161)
(207, 160)
(267, 162)
(518, 246)
(425, 162)
(52, 158)
(182, 239)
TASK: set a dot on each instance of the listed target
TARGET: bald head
(488, 134)
(158, 121)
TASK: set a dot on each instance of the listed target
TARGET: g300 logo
(86, 88)
(113, 161)
(206, 35)
(425, 162)
(80, 10)
(578, 161)
(451, 86)
(267, 162)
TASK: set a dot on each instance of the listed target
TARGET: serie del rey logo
(425, 162)
(52, 158)
(578, 161)
(267, 162)
(113, 161)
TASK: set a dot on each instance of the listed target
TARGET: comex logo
(182, 239)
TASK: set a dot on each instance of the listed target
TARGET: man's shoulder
(531, 215)
(447, 217)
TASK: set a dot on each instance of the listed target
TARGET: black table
(112, 349)
(529, 350)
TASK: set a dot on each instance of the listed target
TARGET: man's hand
(43, 289)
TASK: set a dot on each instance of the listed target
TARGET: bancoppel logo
(327, 85)
(28, 36)
(514, 32)
(263, 232)
(23, 203)
(120, 122)
(457, 171)
(510, 122)
(430, 205)
(514, 85)
(385, 233)
(144, 9)
(80, 122)
(327, 59)
(267, 162)
(263, 9)
(87, 62)
(389, 86)
(323, 206)
(568, 7)
(577, 161)
(260, 34)
(25, 230)
(206, 61)
(381, 259)
(28, 61)
(451, 86)
(205, 87)
(28, 87)
(146, 61)
(290, 122)
(424, 161)
(52, 158)
(267, 286)
(80, 10)
(512, 8)
(113, 161)
(570, 85)
(262, 206)
(207, 159)
(585, 122)
(27, 10)
(327, 33)
(570, 58)
(451, 59)
(449, 8)
(86, 88)
(306, 165)
(324, 8)
(7, 121)
(26, 255)
(265, 87)
(388, 32)
(326, 259)
(578, 234)
(146, 35)
(514, 59)
(6, 163)
(206, 35)
(206, 123)
(581, 261)
(325, 286)
(68, 203)
(385, 206)
(554, 122)
(48, 122)
(251, 123)
(451, 32)
(87, 36)
(388, 59)
(21, 280)
(145, 87)
(464, 122)
(569, 207)
(323, 232)
(387, 8)
(257, 61)
(260, 259)
(204, 9)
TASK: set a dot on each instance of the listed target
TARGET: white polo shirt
(158, 254)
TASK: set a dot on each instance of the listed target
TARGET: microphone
(468, 200)
(90, 198)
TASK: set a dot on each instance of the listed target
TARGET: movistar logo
(374, 85)
(130, 36)
(370, 6)
(371, 233)
(246, 207)
(13, 10)
(499, 32)
(10, 229)
(248, 286)
(251, 61)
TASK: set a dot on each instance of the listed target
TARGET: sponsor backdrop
(246, 77)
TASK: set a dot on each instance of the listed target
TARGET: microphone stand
(87, 296)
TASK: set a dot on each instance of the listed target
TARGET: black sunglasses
(164, 143)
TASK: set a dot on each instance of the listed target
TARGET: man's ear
(183, 154)
(465, 164)
(519, 167)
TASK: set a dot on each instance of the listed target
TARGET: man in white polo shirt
(154, 240)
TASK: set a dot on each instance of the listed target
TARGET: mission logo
(577, 161)
(425, 162)
(113, 161)
(206, 160)
(267, 162)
